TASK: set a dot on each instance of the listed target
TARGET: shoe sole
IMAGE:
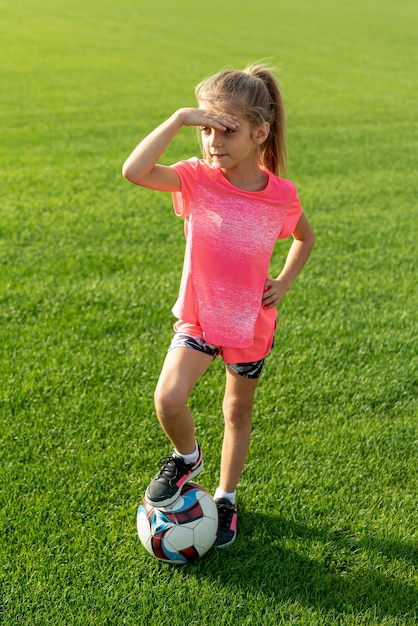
(167, 501)
(225, 545)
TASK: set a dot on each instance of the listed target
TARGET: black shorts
(248, 370)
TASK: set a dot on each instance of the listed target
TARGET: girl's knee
(237, 414)
(168, 401)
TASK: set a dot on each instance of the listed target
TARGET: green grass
(89, 271)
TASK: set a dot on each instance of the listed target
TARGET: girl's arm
(141, 166)
(301, 248)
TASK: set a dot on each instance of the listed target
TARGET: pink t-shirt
(230, 237)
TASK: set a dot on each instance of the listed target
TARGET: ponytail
(273, 153)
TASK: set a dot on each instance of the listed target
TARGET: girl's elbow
(134, 174)
(131, 175)
(127, 172)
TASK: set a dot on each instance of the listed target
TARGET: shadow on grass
(346, 576)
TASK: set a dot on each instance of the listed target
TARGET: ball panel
(205, 535)
(209, 506)
(162, 550)
(179, 537)
(190, 554)
(143, 527)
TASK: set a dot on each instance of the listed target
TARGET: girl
(235, 207)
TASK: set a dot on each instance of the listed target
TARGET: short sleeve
(292, 217)
(188, 172)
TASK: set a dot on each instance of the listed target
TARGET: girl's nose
(215, 138)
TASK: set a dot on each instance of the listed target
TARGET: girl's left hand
(274, 292)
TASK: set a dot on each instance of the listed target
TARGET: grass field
(90, 268)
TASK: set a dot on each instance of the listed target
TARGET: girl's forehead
(221, 109)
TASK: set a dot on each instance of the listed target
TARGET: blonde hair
(256, 94)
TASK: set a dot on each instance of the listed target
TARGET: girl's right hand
(207, 118)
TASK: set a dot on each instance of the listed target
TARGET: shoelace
(170, 468)
(226, 513)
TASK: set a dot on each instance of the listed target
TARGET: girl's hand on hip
(274, 292)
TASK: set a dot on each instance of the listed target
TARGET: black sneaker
(165, 487)
(228, 514)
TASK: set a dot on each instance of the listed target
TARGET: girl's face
(233, 148)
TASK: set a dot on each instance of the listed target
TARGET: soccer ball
(182, 532)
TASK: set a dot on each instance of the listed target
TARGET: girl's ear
(261, 133)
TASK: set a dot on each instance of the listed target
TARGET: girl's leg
(237, 408)
(181, 370)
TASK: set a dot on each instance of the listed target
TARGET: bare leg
(237, 407)
(181, 370)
